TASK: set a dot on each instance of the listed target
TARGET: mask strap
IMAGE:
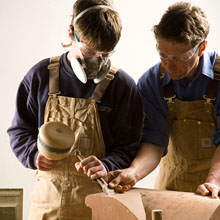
(80, 53)
(88, 9)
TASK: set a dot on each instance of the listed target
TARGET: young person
(99, 102)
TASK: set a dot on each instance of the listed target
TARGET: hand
(207, 188)
(92, 167)
(43, 163)
(121, 180)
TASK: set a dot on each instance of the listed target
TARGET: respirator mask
(94, 68)
(90, 64)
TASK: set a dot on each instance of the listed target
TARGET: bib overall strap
(169, 94)
(100, 89)
(54, 76)
(213, 83)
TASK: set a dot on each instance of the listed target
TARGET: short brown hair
(183, 23)
(99, 27)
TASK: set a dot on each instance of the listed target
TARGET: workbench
(151, 204)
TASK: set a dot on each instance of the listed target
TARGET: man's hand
(43, 163)
(121, 180)
(212, 183)
(92, 167)
(207, 189)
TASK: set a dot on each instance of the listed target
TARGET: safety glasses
(183, 57)
(88, 52)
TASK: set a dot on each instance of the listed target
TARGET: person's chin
(173, 76)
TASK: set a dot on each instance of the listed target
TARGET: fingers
(43, 163)
(201, 189)
(112, 175)
(78, 166)
(214, 189)
(207, 188)
(92, 167)
(121, 188)
(215, 193)
(117, 178)
(120, 180)
(95, 173)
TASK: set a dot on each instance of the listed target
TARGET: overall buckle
(208, 99)
(54, 94)
(170, 99)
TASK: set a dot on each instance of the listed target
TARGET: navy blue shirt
(120, 111)
(151, 90)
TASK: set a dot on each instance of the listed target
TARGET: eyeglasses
(183, 57)
(88, 52)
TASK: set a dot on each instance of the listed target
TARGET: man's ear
(202, 47)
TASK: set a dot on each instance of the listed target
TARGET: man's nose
(170, 64)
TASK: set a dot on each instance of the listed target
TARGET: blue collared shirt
(155, 107)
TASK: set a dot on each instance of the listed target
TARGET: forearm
(23, 141)
(120, 157)
(144, 163)
(214, 173)
(25, 150)
(147, 159)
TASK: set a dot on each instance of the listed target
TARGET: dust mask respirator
(94, 68)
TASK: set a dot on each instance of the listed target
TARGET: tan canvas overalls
(60, 193)
(190, 150)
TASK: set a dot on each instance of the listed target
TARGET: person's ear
(70, 32)
(202, 47)
(71, 37)
(71, 29)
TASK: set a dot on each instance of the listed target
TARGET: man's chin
(175, 77)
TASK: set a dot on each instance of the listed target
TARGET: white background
(33, 30)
